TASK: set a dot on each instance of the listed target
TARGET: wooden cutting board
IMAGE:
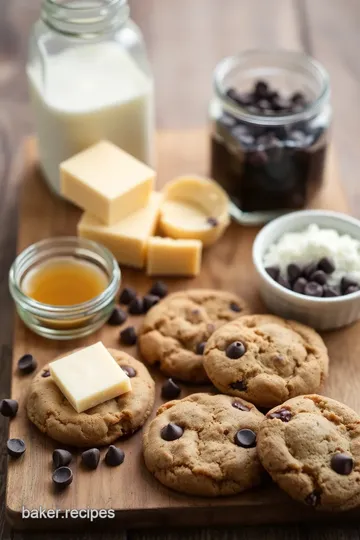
(138, 499)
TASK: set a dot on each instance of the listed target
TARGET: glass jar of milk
(89, 80)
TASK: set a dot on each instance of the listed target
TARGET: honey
(64, 281)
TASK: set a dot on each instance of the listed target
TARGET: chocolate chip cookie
(174, 331)
(265, 359)
(50, 411)
(204, 445)
(310, 446)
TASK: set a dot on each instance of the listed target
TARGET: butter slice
(106, 181)
(89, 377)
(168, 257)
(128, 238)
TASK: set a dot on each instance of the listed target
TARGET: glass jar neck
(290, 61)
(84, 17)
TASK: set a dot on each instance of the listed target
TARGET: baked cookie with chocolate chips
(204, 445)
(310, 446)
(175, 331)
(51, 412)
(265, 359)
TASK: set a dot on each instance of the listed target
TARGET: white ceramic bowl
(320, 313)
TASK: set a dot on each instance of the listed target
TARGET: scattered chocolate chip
(130, 371)
(117, 317)
(171, 432)
(114, 456)
(136, 306)
(62, 477)
(239, 385)
(342, 463)
(235, 307)
(319, 276)
(170, 390)
(127, 295)
(46, 373)
(200, 347)
(212, 221)
(149, 301)
(299, 285)
(313, 499)
(90, 458)
(61, 458)
(352, 289)
(293, 272)
(235, 350)
(240, 406)
(15, 447)
(327, 265)
(273, 271)
(258, 158)
(261, 89)
(159, 288)
(309, 269)
(9, 407)
(347, 282)
(281, 414)
(283, 282)
(298, 97)
(245, 438)
(329, 292)
(128, 336)
(27, 364)
(312, 288)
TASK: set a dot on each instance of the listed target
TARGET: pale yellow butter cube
(89, 377)
(128, 238)
(168, 257)
(106, 181)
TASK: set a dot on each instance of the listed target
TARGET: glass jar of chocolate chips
(270, 119)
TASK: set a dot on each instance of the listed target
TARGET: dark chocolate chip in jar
(342, 463)
(299, 285)
(312, 288)
(261, 89)
(27, 364)
(200, 348)
(258, 158)
(327, 265)
(159, 288)
(240, 406)
(127, 295)
(62, 477)
(283, 282)
(61, 458)
(319, 276)
(129, 370)
(117, 317)
(170, 390)
(273, 271)
(15, 447)
(90, 458)
(309, 269)
(246, 438)
(330, 292)
(235, 350)
(9, 407)
(281, 414)
(128, 336)
(171, 432)
(293, 272)
(352, 289)
(114, 456)
(227, 120)
(347, 282)
(149, 301)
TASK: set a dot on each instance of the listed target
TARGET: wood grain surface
(185, 39)
(227, 266)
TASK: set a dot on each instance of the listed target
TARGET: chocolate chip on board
(62, 477)
(61, 457)
(27, 364)
(159, 288)
(9, 407)
(128, 336)
(90, 458)
(149, 301)
(15, 447)
(114, 456)
(126, 295)
(117, 317)
(170, 390)
(136, 306)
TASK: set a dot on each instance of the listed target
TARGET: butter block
(194, 207)
(128, 238)
(106, 181)
(169, 257)
(89, 376)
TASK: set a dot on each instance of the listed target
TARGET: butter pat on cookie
(128, 238)
(168, 257)
(89, 376)
(106, 181)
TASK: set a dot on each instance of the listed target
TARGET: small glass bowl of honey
(64, 287)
